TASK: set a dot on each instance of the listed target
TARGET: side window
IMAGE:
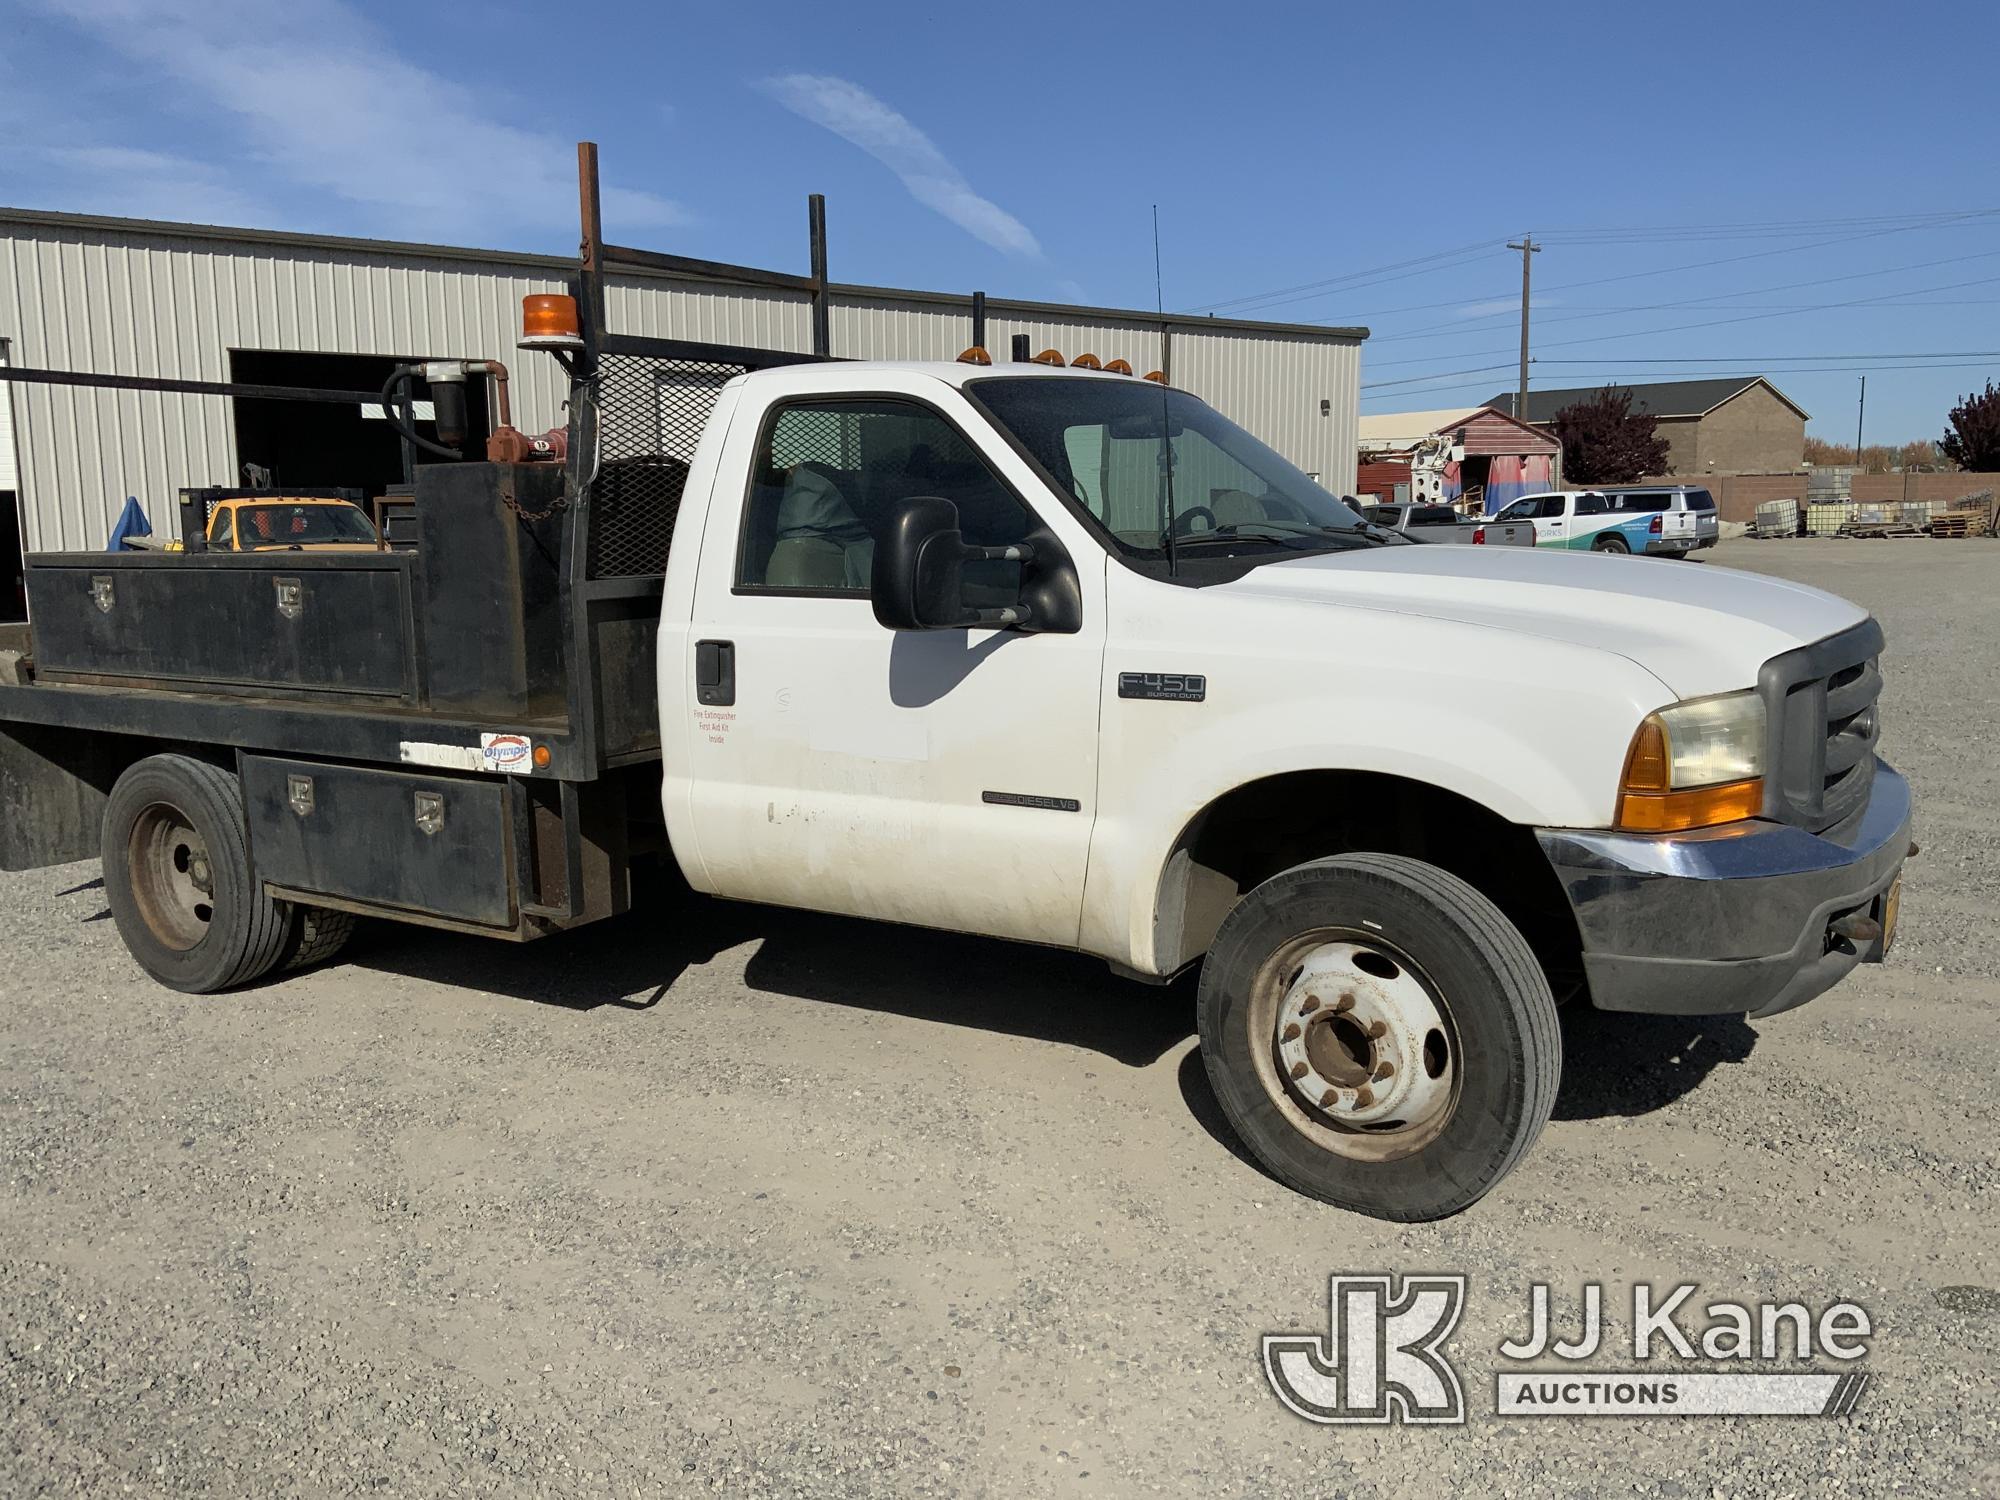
(1591, 505)
(1553, 507)
(1521, 510)
(828, 475)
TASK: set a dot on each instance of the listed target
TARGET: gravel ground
(753, 1202)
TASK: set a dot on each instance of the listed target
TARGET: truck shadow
(633, 961)
(1620, 1065)
(1613, 1064)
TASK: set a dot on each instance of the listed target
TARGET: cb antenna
(1166, 420)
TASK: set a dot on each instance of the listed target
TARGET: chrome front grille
(1822, 725)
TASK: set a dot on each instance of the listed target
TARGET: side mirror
(918, 577)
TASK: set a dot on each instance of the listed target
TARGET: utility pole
(1528, 248)
(1860, 412)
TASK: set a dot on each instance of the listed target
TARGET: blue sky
(1721, 189)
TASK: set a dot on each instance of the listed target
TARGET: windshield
(1119, 448)
(300, 525)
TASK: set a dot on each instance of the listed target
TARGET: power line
(1639, 333)
(1349, 279)
(1457, 325)
(1308, 291)
(1718, 374)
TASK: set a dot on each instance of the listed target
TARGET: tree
(1605, 442)
(1876, 458)
(1974, 439)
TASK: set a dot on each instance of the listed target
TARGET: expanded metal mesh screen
(650, 416)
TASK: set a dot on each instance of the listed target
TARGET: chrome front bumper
(1730, 920)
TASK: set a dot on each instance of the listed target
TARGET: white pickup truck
(1051, 655)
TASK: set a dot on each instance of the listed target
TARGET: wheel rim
(1354, 1044)
(173, 882)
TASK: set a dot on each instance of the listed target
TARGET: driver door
(944, 778)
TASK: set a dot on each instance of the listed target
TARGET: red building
(1487, 457)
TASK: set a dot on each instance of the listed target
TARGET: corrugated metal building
(189, 301)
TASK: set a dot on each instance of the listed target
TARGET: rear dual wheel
(182, 893)
(1380, 1036)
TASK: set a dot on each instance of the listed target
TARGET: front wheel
(1379, 1035)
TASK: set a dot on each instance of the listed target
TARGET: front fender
(1536, 737)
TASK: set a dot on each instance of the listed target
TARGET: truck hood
(1698, 627)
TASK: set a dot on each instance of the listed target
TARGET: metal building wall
(79, 298)
(120, 297)
(1273, 384)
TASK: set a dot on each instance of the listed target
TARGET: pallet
(1876, 531)
(1959, 523)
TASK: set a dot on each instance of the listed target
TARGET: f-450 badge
(1172, 687)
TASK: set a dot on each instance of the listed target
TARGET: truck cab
(294, 523)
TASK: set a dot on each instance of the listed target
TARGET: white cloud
(858, 117)
(327, 103)
(130, 183)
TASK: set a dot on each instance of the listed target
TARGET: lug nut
(1291, 1033)
(1310, 1005)
(1298, 1071)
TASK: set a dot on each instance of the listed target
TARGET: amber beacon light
(549, 321)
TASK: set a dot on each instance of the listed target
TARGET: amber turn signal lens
(542, 757)
(550, 315)
(1648, 767)
(1704, 807)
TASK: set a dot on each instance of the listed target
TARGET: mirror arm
(1018, 614)
(1019, 552)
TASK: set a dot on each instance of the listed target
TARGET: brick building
(1739, 425)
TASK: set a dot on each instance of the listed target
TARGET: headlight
(1694, 765)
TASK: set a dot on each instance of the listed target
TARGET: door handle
(715, 673)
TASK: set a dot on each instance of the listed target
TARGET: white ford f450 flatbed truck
(1053, 655)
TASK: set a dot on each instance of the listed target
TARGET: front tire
(178, 880)
(1379, 1035)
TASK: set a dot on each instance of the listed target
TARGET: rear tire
(1379, 1035)
(316, 935)
(1610, 544)
(177, 877)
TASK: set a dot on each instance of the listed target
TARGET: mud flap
(53, 783)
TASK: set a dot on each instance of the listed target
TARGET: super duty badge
(1174, 687)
